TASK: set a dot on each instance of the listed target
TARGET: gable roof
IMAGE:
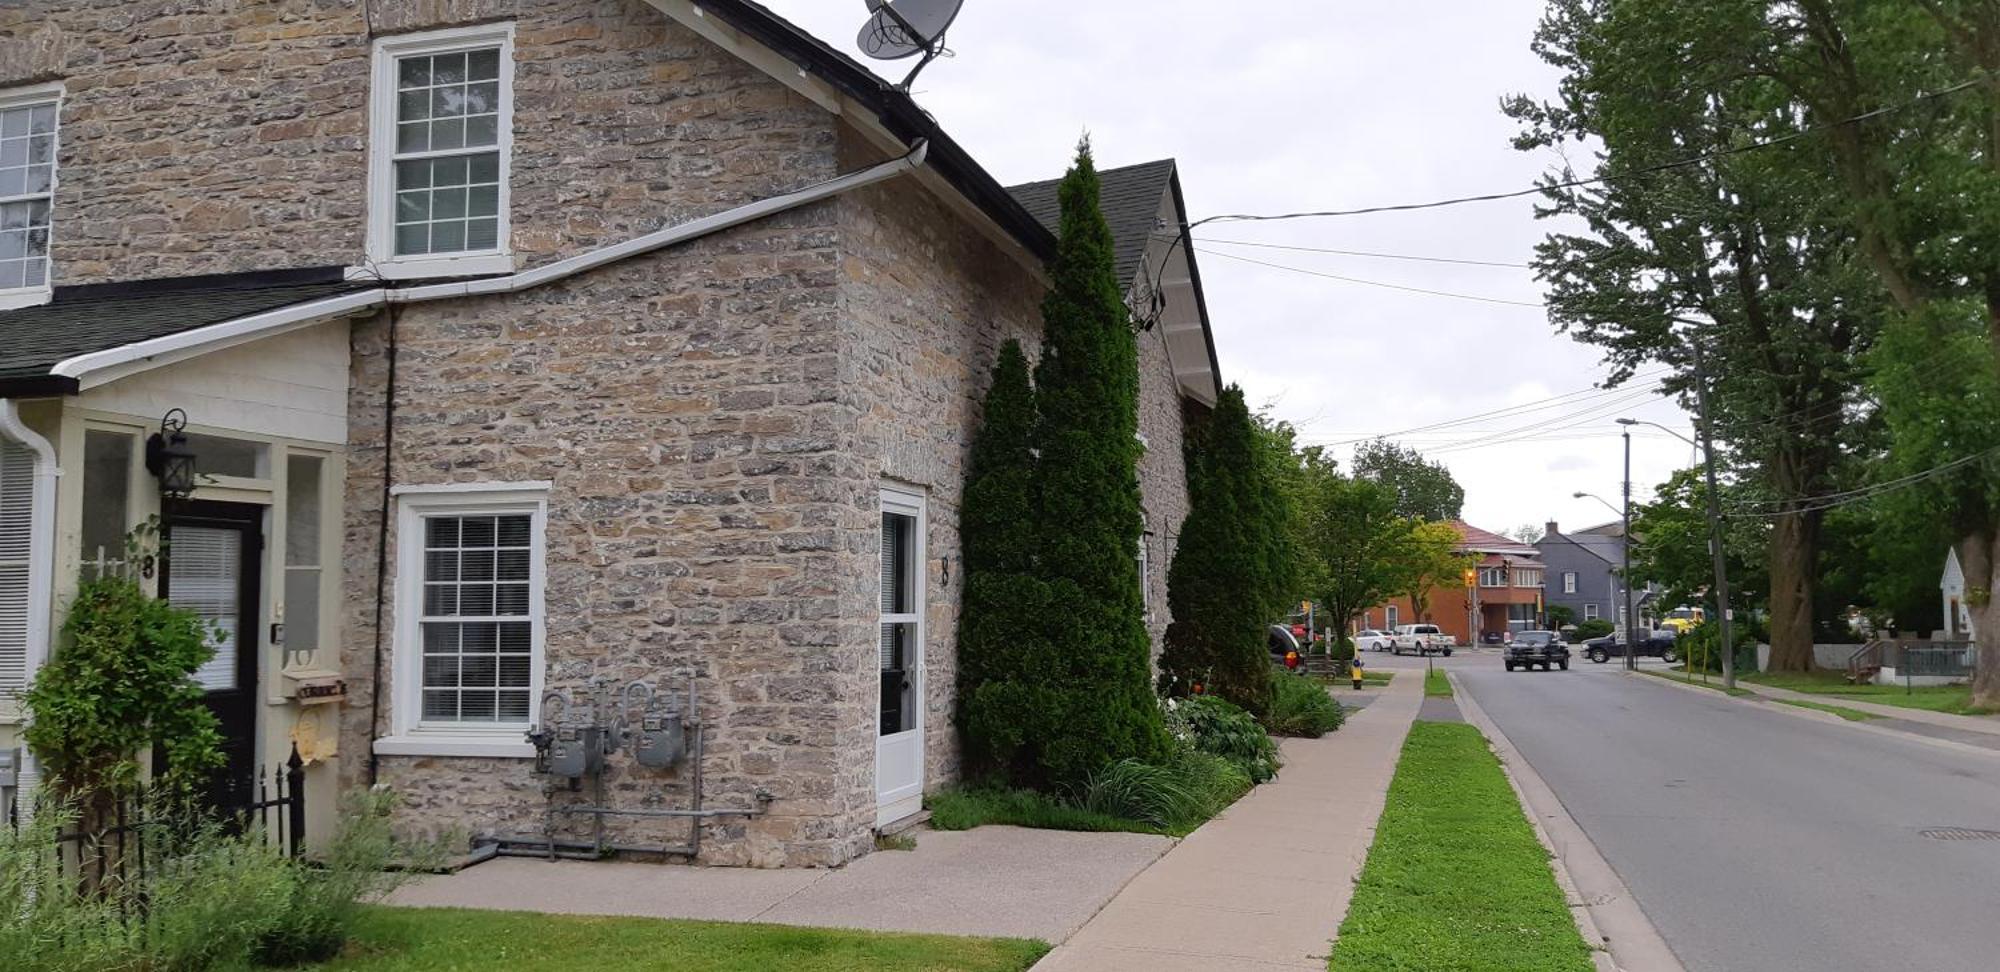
(1610, 549)
(1130, 199)
(1483, 541)
(82, 319)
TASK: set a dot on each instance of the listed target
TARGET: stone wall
(206, 136)
(926, 303)
(1162, 473)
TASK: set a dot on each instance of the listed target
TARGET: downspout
(41, 566)
(382, 545)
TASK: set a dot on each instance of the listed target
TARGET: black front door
(210, 567)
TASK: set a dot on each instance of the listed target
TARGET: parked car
(1281, 640)
(1656, 644)
(1420, 638)
(1369, 639)
(1531, 648)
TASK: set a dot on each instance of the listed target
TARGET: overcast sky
(1311, 105)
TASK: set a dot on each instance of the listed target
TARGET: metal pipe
(704, 814)
(536, 847)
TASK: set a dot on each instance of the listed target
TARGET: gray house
(1583, 570)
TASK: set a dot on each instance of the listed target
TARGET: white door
(899, 740)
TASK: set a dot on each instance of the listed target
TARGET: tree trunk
(1794, 559)
(1976, 556)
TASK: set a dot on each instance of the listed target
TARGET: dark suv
(1531, 648)
(1656, 644)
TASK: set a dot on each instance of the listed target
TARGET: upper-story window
(441, 131)
(1527, 577)
(1492, 577)
(27, 193)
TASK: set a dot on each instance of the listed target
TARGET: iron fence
(1952, 662)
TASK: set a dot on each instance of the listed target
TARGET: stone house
(529, 347)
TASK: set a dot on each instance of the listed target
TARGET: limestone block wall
(210, 136)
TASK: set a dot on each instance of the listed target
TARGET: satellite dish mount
(906, 28)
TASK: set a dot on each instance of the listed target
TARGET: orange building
(1506, 596)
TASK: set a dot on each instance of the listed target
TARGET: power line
(1359, 253)
(1552, 425)
(1566, 399)
(1372, 283)
(1812, 504)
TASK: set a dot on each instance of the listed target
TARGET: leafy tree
(1007, 697)
(1424, 490)
(1352, 542)
(1430, 559)
(1223, 587)
(1670, 548)
(1753, 245)
(1559, 616)
(1087, 388)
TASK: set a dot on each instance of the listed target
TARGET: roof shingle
(1130, 198)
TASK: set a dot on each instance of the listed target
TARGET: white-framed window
(1492, 577)
(469, 652)
(1569, 582)
(17, 512)
(1527, 577)
(28, 123)
(1145, 567)
(441, 140)
(1590, 612)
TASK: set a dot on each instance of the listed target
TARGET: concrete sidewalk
(991, 882)
(1264, 885)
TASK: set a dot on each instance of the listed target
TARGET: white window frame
(1590, 612)
(381, 244)
(409, 736)
(1145, 567)
(1492, 577)
(37, 94)
(1569, 582)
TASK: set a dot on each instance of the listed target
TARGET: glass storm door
(899, 743)
(210, 568)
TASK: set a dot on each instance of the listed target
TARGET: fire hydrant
(1355, 670)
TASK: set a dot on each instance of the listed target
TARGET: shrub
(1176, 795)
(1594, 628)
(1217, 727)
(1302, 707)
(324, 899)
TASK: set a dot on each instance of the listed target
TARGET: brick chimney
(1549, 529)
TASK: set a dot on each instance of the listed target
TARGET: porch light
(168, 457)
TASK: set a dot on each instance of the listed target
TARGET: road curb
(1606, 914)
(1772, 704)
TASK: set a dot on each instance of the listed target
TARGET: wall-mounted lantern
(168, 457)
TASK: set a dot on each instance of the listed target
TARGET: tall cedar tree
(1006, 695)
(1087, 388)
(1219, 588)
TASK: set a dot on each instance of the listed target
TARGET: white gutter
(41, 567)
(99, 367)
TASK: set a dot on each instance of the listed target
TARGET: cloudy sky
(1306, 105)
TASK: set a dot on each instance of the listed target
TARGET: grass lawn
(1851, 715)
(441, 939)
(966, 808)
(1456, 881)
(1715, 684)
(1436, 684)
(1953, 699)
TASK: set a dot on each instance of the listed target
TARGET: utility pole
(1631, 628)
(1714, 518)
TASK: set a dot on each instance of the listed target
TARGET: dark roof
(80, 320)
(1130, 199)
(1485, 541)
(898, 112)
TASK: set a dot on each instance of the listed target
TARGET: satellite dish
(906, 28)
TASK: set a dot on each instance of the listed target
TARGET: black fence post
(295, 801)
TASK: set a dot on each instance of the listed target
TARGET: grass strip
(1682, 679)
(1851, 715)
(1456, 881)
(1949, 699)
(1436, 684)
(439, 939)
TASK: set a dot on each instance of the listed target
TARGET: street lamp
(1714, 519)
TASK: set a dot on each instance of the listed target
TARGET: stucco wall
(215, 136)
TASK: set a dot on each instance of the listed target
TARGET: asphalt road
(1757, 840)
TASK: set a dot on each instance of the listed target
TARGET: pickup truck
(1420, 638)
(1656, 644)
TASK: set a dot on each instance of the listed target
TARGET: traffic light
(1471, 576)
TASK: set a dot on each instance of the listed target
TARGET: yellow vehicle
(1681, 620)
